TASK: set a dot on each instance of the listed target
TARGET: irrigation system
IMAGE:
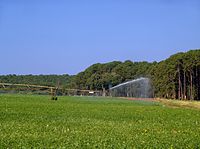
(138, 88)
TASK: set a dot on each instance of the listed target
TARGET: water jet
(138, 88)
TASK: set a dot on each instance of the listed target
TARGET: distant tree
(177, 77)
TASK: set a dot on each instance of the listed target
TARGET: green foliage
(48, 80)
(89, 122)
(100, 76)
(177, 77)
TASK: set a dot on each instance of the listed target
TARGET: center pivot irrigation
(53, 91)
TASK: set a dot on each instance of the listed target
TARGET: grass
(28, 121)
(180, 103)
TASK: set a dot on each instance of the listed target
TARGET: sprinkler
(138, 88)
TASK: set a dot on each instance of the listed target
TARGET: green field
(87, 122)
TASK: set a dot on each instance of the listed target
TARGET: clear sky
(67, 36)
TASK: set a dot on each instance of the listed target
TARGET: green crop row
(90, 122)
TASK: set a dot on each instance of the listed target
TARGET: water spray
(138, 88)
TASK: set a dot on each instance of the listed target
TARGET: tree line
(177, 77)
(46, 80)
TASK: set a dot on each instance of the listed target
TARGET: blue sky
(67, 36)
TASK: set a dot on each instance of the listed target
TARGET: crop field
(33, 121)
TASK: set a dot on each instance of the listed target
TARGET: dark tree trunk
(184, 86)
(179, 83)
(191, 85)
(198, 81)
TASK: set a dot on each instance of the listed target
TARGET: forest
(177, 77)
(46, 80)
